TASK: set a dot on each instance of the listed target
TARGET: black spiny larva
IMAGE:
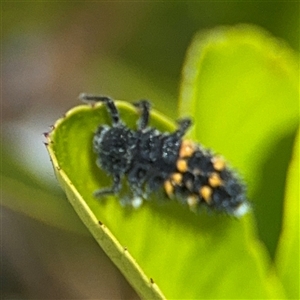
(151, 159)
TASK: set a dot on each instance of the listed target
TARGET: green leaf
(241, 86)
(70, 147)
(163, 246)
(287, 258)
(180, 251)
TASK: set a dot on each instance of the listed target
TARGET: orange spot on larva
(218, 163)
(169, 189)
(215, 180)
(182, 165)
(176, 178)
(187, 148)
(206, 192)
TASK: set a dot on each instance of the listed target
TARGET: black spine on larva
(115, 148)
(154, 160)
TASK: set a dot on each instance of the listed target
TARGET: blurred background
(51, 52)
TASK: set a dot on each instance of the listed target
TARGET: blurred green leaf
(241, 86)
(22, 192)
(104, 69)
(11, 168)
(287, 258)
(40, 205)
(234, 73)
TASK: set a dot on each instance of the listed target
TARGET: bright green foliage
(240, 88)
(287, 259)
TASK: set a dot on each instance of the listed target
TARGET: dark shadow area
(270, 194)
